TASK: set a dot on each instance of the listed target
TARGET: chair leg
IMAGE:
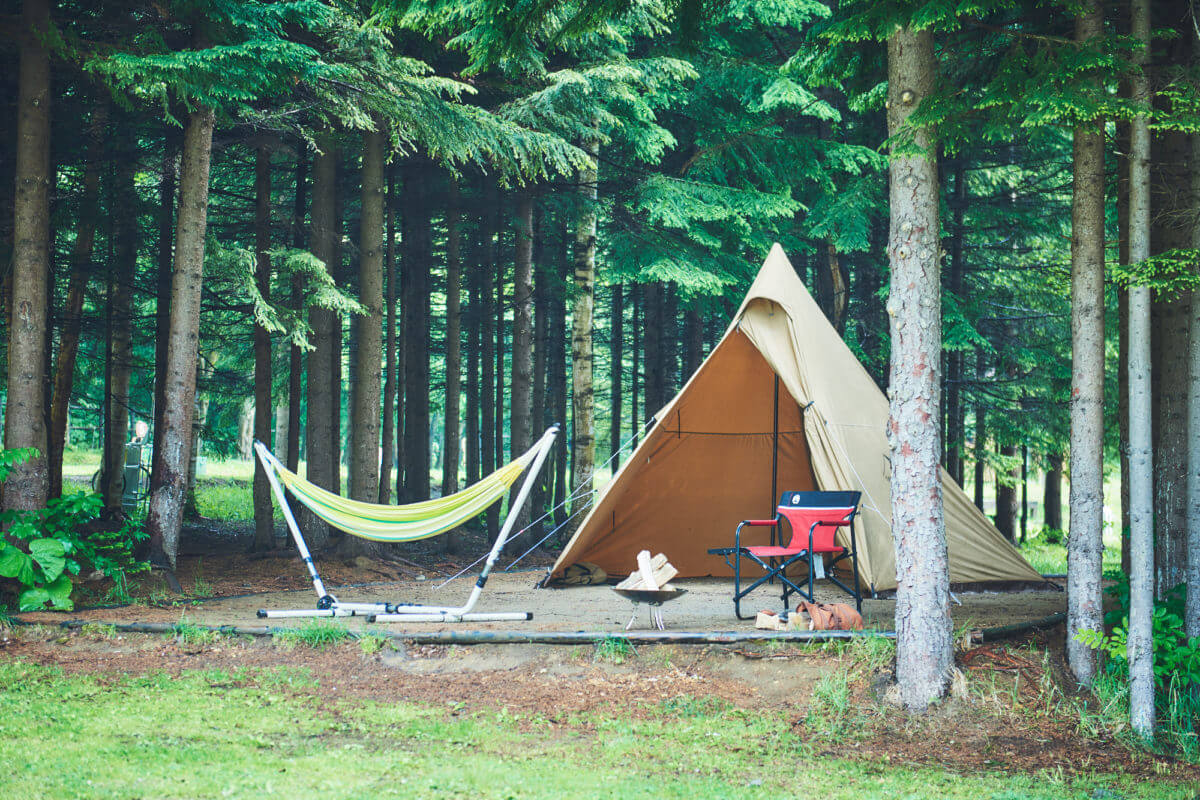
(737, 586)
(810, 576)
(857, 588)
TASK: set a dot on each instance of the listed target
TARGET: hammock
(406, 523)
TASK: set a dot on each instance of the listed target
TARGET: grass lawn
(268, 733)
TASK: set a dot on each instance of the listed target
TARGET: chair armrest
(760, 522)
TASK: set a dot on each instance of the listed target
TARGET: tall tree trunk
(583, 397)
(367, 350)
(616, 344)
(452, 423)
(28, 484)
(169, 481)
(924, 651)
(120, 352)
(693, 344)
(499, 269)
(318, 429)
(166, 256)
(521, 409)
(652, 341)
(559, 334)
(471, 383)
(1173, 221)
(72, 316)
(1140, 644)
(418, 261)
(264, 512)
(1006, 497)
(1084, 544)
(637, 321)
(1192, 608)
(487, 334)
(364, 431)
(387, 455)
(295, 354)
(954, 359)
(337, 340)
(980, 430)
(539, 412)
(1052, 496)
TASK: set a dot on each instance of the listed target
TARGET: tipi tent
(781, 393)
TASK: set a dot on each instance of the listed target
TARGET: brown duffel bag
(832, 617)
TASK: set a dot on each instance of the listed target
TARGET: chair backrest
(802, 509)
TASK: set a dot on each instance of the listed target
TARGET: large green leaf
(13, 561)
(33, 599)
(60, 593)
(50, 556)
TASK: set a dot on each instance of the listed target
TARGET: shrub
(45, 547)
(1176, 660)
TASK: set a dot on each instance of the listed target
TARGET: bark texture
(1052, 493)
(1192, 610)
(169, 481)
(387, 453)
(521, 407)
(1173, 222)
(453, 425)
(583, 407)
(28, 484)
(418, 257)
(617, 371)
(924, 654)
(120, 342)
(318, 428)
(72, 314)
(1084, 542)
(364, 431)
(264, 509)
(1140, 644)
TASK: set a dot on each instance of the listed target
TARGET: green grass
(315, 633)
(245, 733)
(1051, 559)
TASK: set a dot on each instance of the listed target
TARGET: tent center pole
(774, 458)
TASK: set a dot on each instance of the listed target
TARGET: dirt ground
(556, 683)
(995, 724)
(222, 585)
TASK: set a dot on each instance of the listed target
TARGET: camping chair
(405, 523)
(814, 518)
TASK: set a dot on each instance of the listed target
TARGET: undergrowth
(316, 633)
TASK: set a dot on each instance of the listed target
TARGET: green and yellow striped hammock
(406, 523)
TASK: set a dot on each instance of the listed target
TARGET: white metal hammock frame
(329, 606)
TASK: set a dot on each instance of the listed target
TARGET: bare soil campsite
(233, 706)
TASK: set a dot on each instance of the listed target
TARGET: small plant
(831, 711)
(1052, 536)
(202, 588)
(96, 630)
(614, 650)
(44, 548)
(317, 634)
(1176, 664)
(371, 643)
(190, 633)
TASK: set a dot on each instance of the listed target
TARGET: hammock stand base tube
(329, 606)
(416, 613)
(476, 616)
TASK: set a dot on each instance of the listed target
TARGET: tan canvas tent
(707, 462)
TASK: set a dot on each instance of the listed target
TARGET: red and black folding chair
(814, 518)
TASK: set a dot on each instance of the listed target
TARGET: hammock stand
(329, 606)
